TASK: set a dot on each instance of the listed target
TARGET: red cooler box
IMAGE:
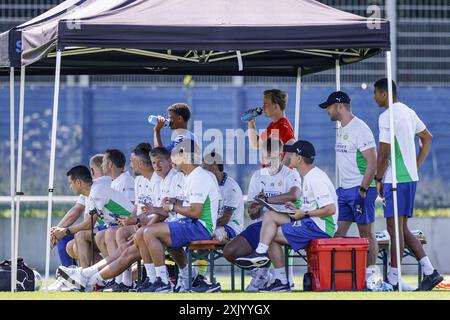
(338, 263)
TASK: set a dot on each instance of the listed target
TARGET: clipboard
(271, 207)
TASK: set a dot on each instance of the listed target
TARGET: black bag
(25, 276)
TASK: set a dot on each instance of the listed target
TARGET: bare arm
(194, 211)
(291, 196)
(325, 211)
(71, 216)
(157, 141)
(425, 139)
(254, 210)
(383, 159)
(225, 219)
(85, 225)
(253, 134)
(371, 157)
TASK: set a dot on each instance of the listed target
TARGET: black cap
(302, 148)
(335, 97)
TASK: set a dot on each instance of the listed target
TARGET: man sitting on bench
(315, 219)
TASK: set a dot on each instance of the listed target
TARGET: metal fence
(423, 55)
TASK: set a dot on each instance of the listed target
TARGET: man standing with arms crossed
(406, 127)
(356, 158)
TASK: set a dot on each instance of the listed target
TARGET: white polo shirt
(274, 185)
(317, 192)
(406, 125)
(200, 186)
(125, 184)
(353, 139)
(233, 200)
(172, 187)
(145, 191)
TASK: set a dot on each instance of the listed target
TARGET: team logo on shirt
(280, 183)
(345, 137)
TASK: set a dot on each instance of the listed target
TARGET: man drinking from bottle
(275, 102)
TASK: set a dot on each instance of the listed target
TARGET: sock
(126, 277)
(426, 266)
(162, 273)
(89, 272)
(393, 276)
(202, 267)
(262, 248)
(280, 274)
(94, 279)
(151, 272)
(262, 272)
(118, 279)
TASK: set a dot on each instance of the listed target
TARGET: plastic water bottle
(154, 121)
(250, 114)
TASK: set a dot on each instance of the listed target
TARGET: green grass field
(227, 295)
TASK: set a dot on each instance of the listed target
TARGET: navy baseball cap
(335, 97)
(302, 148)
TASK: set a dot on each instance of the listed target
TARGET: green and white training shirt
(351, 141)
(317, 192)
(200, 186)
(125, 184)
(171, 187)
(110, 203)
(407, 124)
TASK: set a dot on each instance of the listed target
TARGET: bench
(209, 250)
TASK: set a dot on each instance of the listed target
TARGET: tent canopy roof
(233, 37)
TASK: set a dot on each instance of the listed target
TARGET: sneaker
(259, 280)
(277, 286)
(57, 285)
(159, 287)
(118, 287)
(407, 287)
(180, 287)
(253, 260)
(430, 281)
(74, 277)
(110, 284)
(202, 286)
(142, 285)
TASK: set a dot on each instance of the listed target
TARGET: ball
(37, 280)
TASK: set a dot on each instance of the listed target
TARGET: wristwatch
(266, 199)
(68, 231)
(362, 189)
(378, 179)
(306, 215)
(138, 221)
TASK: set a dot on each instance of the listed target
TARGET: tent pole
(393, 165)
(297, 102)
(52, 164)
(338, 124)
(19, 162)
(12, 169)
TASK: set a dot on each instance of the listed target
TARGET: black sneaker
(159, 287)
(115, 287)
(276, 286)
(430, 281)
(253, 260)
(142, 285)
(202, 286)
(110, 284)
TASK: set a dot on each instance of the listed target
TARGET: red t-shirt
(285, 131)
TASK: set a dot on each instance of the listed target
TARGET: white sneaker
(259, 280)
(407, 287)
(75, 277)
(57, 285)
(180, 286)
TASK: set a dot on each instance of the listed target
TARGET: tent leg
(338, 124)
(393, 165)
(19, 160)
(297, 102)
(52, 164)
(12, 169)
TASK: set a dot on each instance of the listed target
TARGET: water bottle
(154, 121)
(250, 114)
